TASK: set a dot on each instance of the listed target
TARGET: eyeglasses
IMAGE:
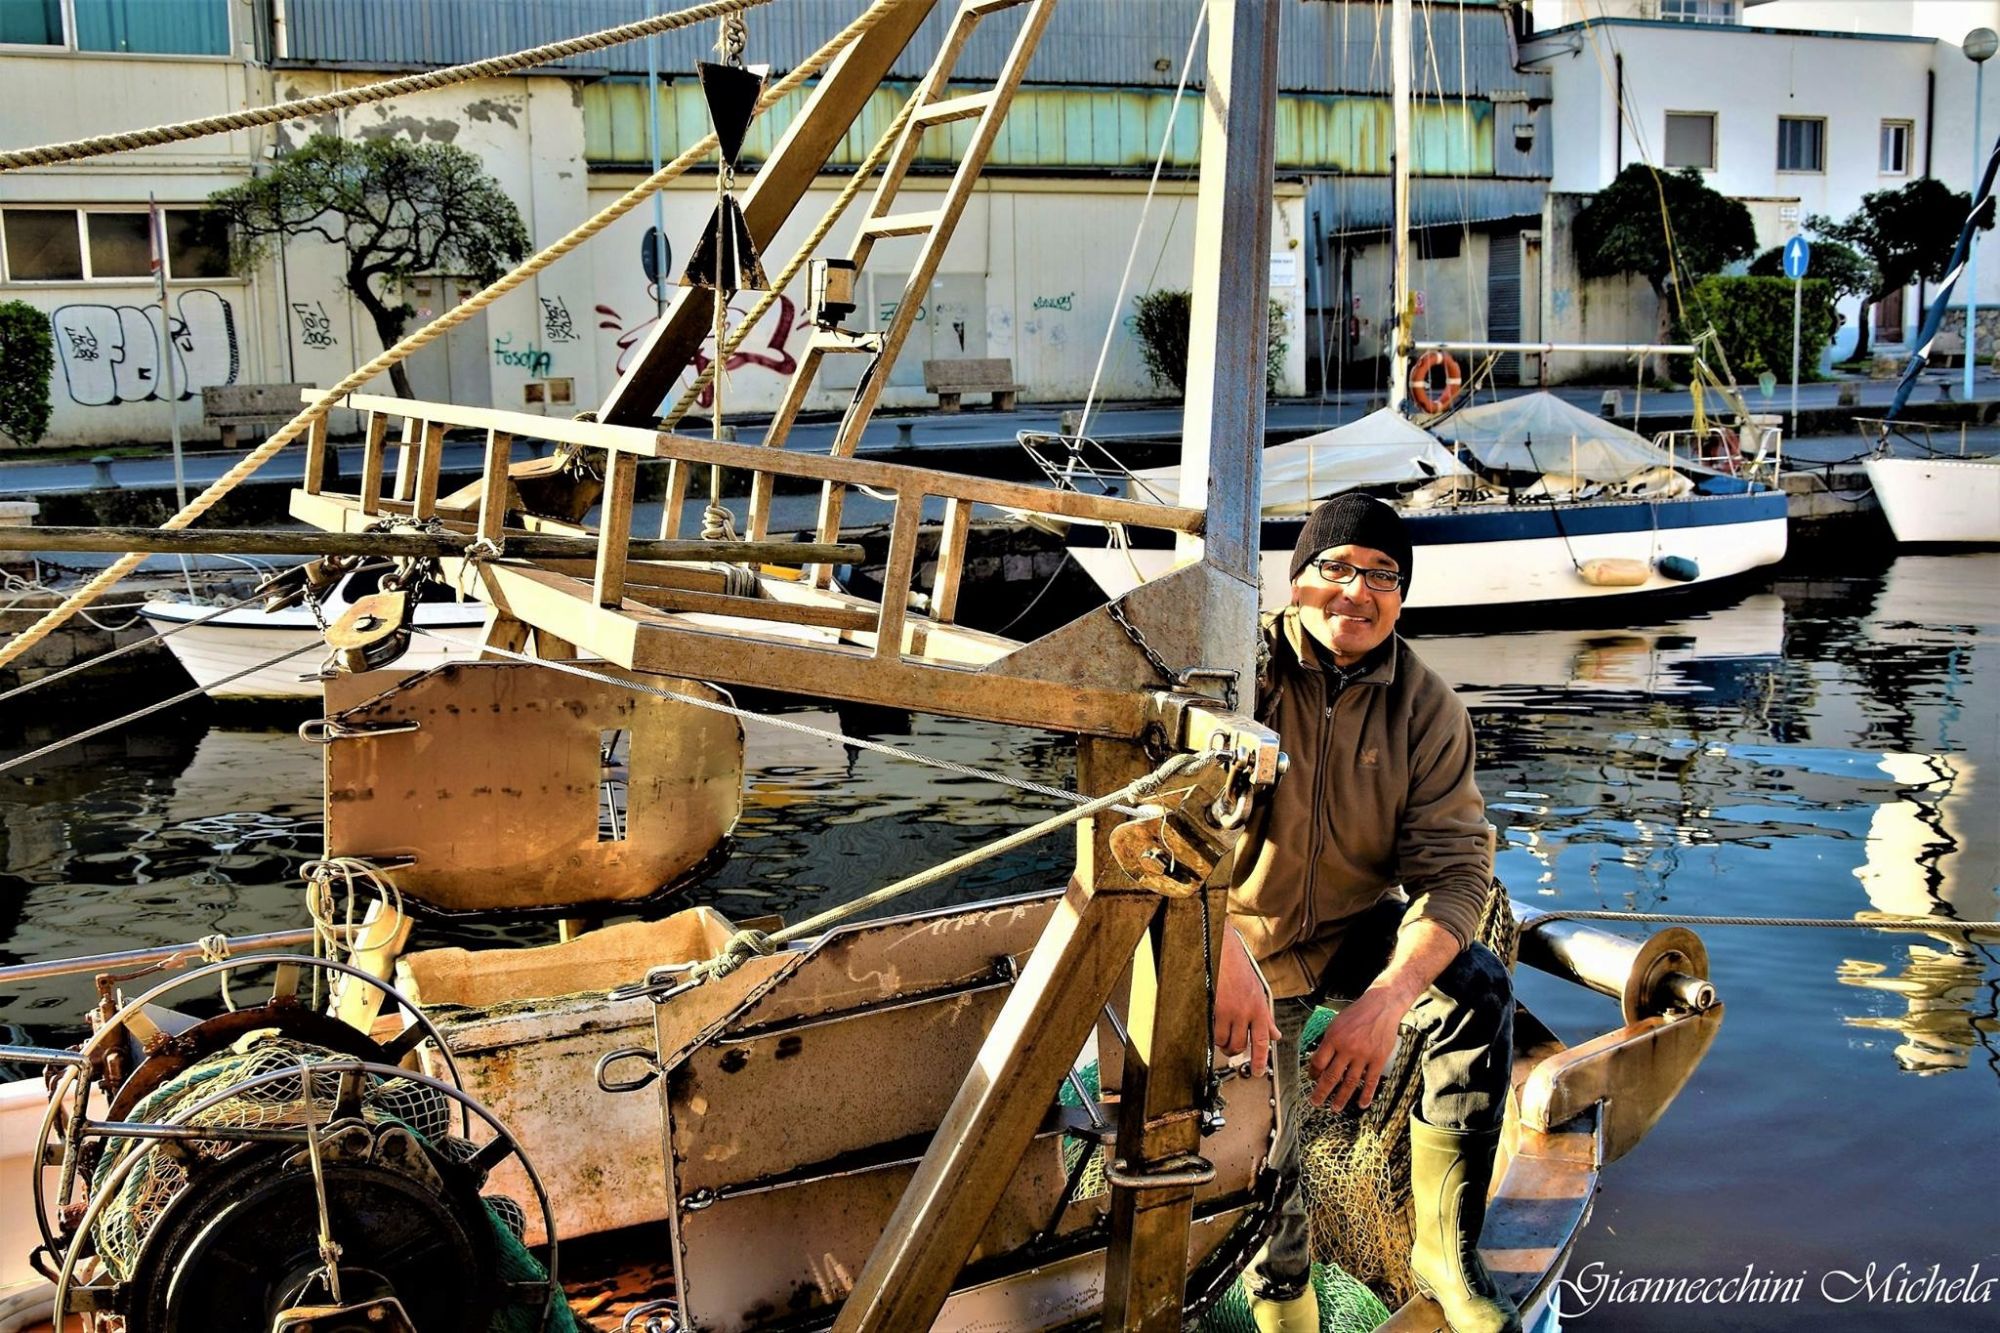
(1378, 580)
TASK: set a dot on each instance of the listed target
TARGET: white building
(1800, 117)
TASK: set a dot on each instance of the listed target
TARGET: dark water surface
(1820, 747)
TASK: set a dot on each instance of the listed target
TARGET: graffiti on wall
(537, 361)
(766, 348)
(111, 354)
(557, 326)
(314, 324)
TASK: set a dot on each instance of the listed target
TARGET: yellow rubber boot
(1297, 1315)
(1449, 1173)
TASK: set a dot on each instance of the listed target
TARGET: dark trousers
(1465, 1024)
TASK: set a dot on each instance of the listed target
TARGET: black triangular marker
(732, 94)
(726, 257)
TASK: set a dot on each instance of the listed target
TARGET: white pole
(1399, 233)
(156, 237)
(1972, 241)
(1797, 289)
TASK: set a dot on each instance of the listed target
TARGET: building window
(1701, 11)
(129, 27)
(108, 245)
(1691, 139)
(1896, 137)
(31, 23)
(1801, 143)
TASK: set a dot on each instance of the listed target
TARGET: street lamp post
(1980, 46)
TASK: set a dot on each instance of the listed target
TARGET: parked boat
(869, 1124)
(1939, 501)
(1539, 503)
(226, 653)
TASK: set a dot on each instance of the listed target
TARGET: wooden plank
(675, 500)
(1162, 1083)
(810, 138)
(315, 477)
(897, 575)
(997, 1111)
(430, 459)
(901, 224)
(451, 542)
(812, 467)
(406, 459)
(750, 608)
(955, 108)
(493, 492)
(619, 486)
(950, 561)
(371, 462)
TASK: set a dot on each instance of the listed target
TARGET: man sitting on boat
(1380, 793)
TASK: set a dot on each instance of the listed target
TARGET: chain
(1179, 680)
(735, 37)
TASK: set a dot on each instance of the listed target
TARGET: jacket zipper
(1311, 885)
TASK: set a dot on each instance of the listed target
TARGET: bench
(952, 377)
(231, 405)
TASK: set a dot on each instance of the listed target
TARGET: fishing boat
(1002, 1115)
(1526, 501)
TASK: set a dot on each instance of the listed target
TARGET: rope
(301, 108)
(150, 709)
(859, 743)
(347, 933)
(745, 944)
(862, 172)
(1882, 922)
(436, 329)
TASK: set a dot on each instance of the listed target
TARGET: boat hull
(1934, 500)
(1488, 557)
(238, 641)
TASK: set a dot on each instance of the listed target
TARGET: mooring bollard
(101, 478)
(906, 434)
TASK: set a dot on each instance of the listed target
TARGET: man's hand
(1355, 1050)
(1244, 1019)
(1357, 1044)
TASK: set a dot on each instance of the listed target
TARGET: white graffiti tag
(111, 354)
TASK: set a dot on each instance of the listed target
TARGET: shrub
(1162, 325)
(27, 359)
(1752, 318)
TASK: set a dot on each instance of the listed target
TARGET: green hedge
(1163, 322)
(27, 359)
(1753, 319)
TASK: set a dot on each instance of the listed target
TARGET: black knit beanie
(1353, 519)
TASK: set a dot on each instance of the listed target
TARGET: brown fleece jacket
(1380, 792)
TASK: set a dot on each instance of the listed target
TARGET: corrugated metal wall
(1077, 128)
(1327, 47)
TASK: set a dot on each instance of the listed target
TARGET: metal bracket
(608, 1084)
(1181, 1171)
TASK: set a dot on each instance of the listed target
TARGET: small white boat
(1611, 515)
(223, 654)
(1937, 500)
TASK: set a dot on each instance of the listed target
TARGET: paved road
(996, 430)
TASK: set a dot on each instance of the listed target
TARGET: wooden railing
(625, 606)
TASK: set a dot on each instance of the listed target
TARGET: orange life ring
(1420, 381)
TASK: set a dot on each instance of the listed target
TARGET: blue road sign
(1798, 254)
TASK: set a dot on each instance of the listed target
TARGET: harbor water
(1820, 746)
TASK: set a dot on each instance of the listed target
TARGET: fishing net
(1355, 1167)
(303, 1097)
(1355, 1170)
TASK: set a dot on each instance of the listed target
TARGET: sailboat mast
(1399, 231)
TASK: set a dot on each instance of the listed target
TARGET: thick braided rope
(303, 107)
(437, 328)
(860, 177)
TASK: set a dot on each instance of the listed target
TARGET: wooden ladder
(934, 108)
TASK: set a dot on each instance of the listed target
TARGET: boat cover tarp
(1533, 433)
(1381, 449)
